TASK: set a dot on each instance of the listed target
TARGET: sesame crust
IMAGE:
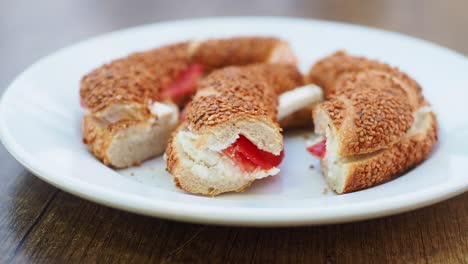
(140, 77)
(218, 53)
(329, 72)
(393, 161)
(236, 93)
(378, 113)
(335, 109)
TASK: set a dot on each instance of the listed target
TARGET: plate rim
(235, 215)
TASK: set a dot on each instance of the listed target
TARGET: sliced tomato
(261, 158)
(247, 152)
(187, 82)
(234, 154)
(318, 149)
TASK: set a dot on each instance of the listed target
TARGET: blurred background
(31, 29)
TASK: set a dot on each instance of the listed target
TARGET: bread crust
(138, 78)
(218, 53)
(241, 93)
(369, 112)
(329, 72)
(393, 161)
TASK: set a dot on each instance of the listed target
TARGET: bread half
(129, 142)
(375, 122)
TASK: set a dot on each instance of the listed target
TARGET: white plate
(40, 120)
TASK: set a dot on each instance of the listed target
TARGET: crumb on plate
(325, 191)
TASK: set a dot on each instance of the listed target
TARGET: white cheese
(298, 98)
(164, 111)
(211, 164)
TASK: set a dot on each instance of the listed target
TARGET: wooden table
(39, 223)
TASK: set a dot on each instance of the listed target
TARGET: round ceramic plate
(40, 126)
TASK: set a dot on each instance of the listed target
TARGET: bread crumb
(132, 174)
(325, 191)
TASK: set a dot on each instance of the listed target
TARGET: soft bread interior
(264, 134)
(330, 164)
(282, 53)
(119, 111)
(127, 141)
(207, 171)
(146, 139)
(139, 142)
(336, 168)
(421, 121)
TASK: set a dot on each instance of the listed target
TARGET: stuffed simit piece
(231, 135)
(375, 123)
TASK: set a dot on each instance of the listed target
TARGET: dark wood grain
(39, 223)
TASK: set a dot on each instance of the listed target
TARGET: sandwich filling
(297, 99)
(241, 158)
(249, 157)
(318, 149)
(186, 84)
(238, 150)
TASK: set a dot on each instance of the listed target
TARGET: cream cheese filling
(210, 163)
(297, 99)
(164, 112)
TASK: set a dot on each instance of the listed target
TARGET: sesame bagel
(376, 122)
(231, 104)
(130, 102)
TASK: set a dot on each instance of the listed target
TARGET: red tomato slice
(318, 149)
(187, 82)
(247, 152)
(233, 153)
(261, 158)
